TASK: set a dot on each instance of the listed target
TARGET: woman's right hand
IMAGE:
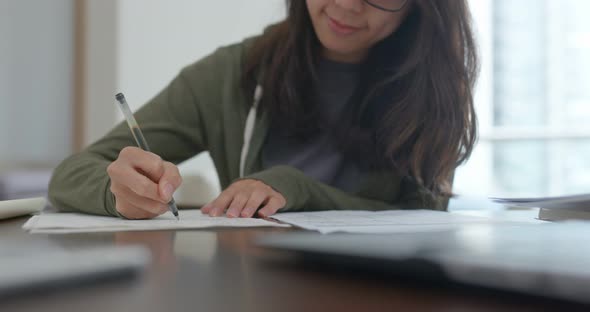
(142, 183)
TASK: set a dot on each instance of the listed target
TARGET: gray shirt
(319, 157)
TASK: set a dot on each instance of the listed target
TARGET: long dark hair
(415, 111)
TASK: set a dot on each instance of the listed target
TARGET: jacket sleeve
(172, 123)
(306, 194)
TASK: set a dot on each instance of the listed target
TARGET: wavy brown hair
(413, 111)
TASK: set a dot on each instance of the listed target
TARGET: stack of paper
(391, 221)
(189, 219)
(573, 201)
(554, 208)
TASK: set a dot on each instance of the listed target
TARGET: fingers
(243, 198)
(273, 205)
(133, 212)
(142, 183)
(127, 196)
(219, 205)
(206, 209)
(139, 184)
(132, 206)
(150, 164)
(169, 182)
(253, 204)
(237, 205)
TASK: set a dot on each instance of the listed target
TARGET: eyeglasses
(388, 5)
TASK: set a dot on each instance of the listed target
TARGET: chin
(338, 47)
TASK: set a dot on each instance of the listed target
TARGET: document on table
(82, 223)
(391, 221)
(581, 201)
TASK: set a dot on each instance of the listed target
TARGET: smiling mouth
(341, 28)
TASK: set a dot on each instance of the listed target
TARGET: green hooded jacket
(204, 108)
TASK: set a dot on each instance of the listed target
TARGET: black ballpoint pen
(140, 139)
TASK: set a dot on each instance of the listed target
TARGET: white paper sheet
(393, 221)
(81, 223)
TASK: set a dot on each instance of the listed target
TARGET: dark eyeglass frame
(385, 9)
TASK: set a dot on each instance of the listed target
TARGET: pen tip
(177, 218)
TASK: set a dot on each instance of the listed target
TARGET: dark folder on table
(547, 260)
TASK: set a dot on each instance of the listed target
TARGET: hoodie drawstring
(249, 130)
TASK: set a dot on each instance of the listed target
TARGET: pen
(140, 139)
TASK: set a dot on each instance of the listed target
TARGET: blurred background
(62, 61)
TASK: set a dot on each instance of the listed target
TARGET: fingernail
(168, 190)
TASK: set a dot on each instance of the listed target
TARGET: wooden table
(220, 270)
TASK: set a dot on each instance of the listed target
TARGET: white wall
(36, 52)
(157, 38)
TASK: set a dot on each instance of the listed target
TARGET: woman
(347, 104)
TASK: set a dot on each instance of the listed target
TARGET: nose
(350, 5)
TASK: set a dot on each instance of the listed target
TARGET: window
(36, 49)
(533, 99)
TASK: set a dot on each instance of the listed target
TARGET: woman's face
(348, 29)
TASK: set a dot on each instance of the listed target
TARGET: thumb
(169, 182)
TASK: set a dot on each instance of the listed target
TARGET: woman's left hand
(243, 198)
